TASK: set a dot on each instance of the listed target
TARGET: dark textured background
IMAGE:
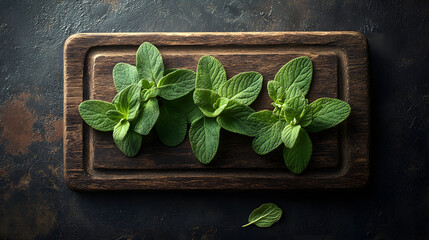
(35, 203)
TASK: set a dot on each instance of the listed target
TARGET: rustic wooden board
(340, 157)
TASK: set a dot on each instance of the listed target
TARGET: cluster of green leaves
(292, 116)
(224, 104)
(136, 108)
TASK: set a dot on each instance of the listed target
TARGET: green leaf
(176, 84)
(204, 138)
(114, 115)
(130, 144)
(298, 157)
(235, 118)
(149, 93)
(121, 129)
(269, 135)
(171, 126)
(185, 105)
(243, 87)
(210, 74)
(326, 113)
(146, 84)
(149, 63)
(290, 134)
(209, 102)
(293, 108)
(147, 117)
(128, 102)
(265, 215)
(273, 89)
(93, 112)
(194, 115)
(169, 70)
(124, 75)
(297, 72)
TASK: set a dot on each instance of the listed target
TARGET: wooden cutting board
(340, 155)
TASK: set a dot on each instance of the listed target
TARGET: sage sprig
(224, 104)
(135, 110)
(292, 116)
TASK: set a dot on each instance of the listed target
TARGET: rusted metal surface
(35, 203)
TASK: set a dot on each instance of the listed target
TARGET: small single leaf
(293, 108)
(210, 73)
(124, 75)
(298, 157)
(298, 72)
(93, 112)
(326, 113)
(290, 134)
(269, 129)
(146, 84)
(147, 117)
(121, 129)
(171, 126)
(130, 144)
(265, 215)
(204, 138)
(147, 94)
(149, 63)
(209, 102)
(176, 84)
(128, 102)
(235, 118)
(243, 87)
(114, 115)
(273, 87)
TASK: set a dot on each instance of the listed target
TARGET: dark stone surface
(36, 204)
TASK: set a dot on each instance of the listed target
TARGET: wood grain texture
(340, 158)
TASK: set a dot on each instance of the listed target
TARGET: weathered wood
(340, 157)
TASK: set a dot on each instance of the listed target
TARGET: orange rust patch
(16, 126)
(54, 129)
(27, 220)
(23, 184)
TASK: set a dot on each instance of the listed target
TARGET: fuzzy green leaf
(130, 144)
(120, 130)
(147, 117)
(235, 118)
(147, 94)
(326, 113)
(210, 74)
(293, 108)
(114, 115)
(169, 70)
(171, 126)
(128, 102)
(298, 157)
(185, 105)
(269, 129)
(298, 72)
(243, 87)
(176, 84)
(204, 138)
(149, 63)
(290, 134)
(93, 112)
(265, 215)
(273, 89)
(209, 102)
(124, 75)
